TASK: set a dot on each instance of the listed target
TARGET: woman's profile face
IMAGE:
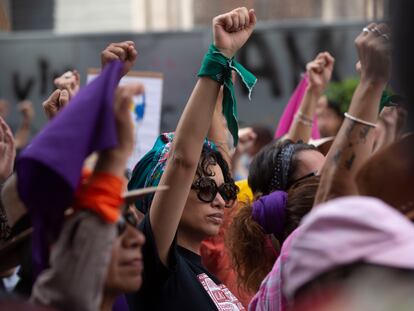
(309, 161)
(329, 122)
(203, 219)
(126, 265)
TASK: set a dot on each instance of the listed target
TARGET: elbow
(181, 160)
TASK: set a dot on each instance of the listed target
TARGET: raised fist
(56, 101)
(374, 51)
(123, 51)
(320, 72)
(69, 81)
(233, 29)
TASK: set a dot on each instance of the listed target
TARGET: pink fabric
(270, 296)
(293, 105)
(344, 231)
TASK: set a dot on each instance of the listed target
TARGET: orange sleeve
(102, 195)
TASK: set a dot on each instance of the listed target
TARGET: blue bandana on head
(148, 171)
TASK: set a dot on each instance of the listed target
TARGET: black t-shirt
(185, 285)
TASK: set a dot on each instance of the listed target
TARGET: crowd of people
(316, 216)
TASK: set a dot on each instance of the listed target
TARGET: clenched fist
(123, 51)
(231, 30)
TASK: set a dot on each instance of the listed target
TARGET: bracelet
(300, 117)
(304, 117)
(219, 68)
(304, 122)
(348, 116)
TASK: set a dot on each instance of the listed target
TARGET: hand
(69, 81)
(26, 110)
(55, 103)
(124, 123)
(124, 51)
(247, 139)
(393, 118)
(231, 30)
(374, 51)
(4, 108)
(7, 151)
(320, 72)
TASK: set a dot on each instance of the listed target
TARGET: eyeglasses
(207, 189)
(312, 174)
(127, 218)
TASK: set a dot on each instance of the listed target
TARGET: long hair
(252, 251)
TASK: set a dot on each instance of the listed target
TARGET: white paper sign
(146, 110)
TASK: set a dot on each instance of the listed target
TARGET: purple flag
(49, 169)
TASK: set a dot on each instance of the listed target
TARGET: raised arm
(218, 132)
(354, 142)
(319, 72)
(230, 32)
(67, 86)
(86, 239)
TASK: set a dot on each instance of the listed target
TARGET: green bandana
(218, 67)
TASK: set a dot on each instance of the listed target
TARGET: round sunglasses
(127, 218)
(206, 189)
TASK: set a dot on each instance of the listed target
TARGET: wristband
(102, 195)
(219, 68)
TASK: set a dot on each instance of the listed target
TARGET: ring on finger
(385, 36)
(366, 30)
(377, 31)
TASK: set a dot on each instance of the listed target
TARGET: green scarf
(218, 67)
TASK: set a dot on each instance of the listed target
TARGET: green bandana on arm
(218, 67)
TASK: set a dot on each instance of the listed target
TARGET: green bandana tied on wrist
(218, 67)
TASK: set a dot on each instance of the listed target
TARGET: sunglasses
(127, 218)
(312, 174)
(206, 189)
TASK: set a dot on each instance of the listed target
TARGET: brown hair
(252, 251)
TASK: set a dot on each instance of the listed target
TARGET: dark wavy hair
(211, 157)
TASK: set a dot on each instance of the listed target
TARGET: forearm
(352, 146)
(218, 134)
(195, 121)
(301, 128)
(112, 162)
(167, 207)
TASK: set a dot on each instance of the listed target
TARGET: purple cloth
(269, 212)
(120, 304)
(49, 169)
(291, 108)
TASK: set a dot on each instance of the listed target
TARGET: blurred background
(40, 39)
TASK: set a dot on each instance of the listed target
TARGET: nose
(218, 201)
(132, 237)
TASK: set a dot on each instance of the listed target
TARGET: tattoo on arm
(337, 156)
(363, 133)
(350, 128)
(350, 161)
